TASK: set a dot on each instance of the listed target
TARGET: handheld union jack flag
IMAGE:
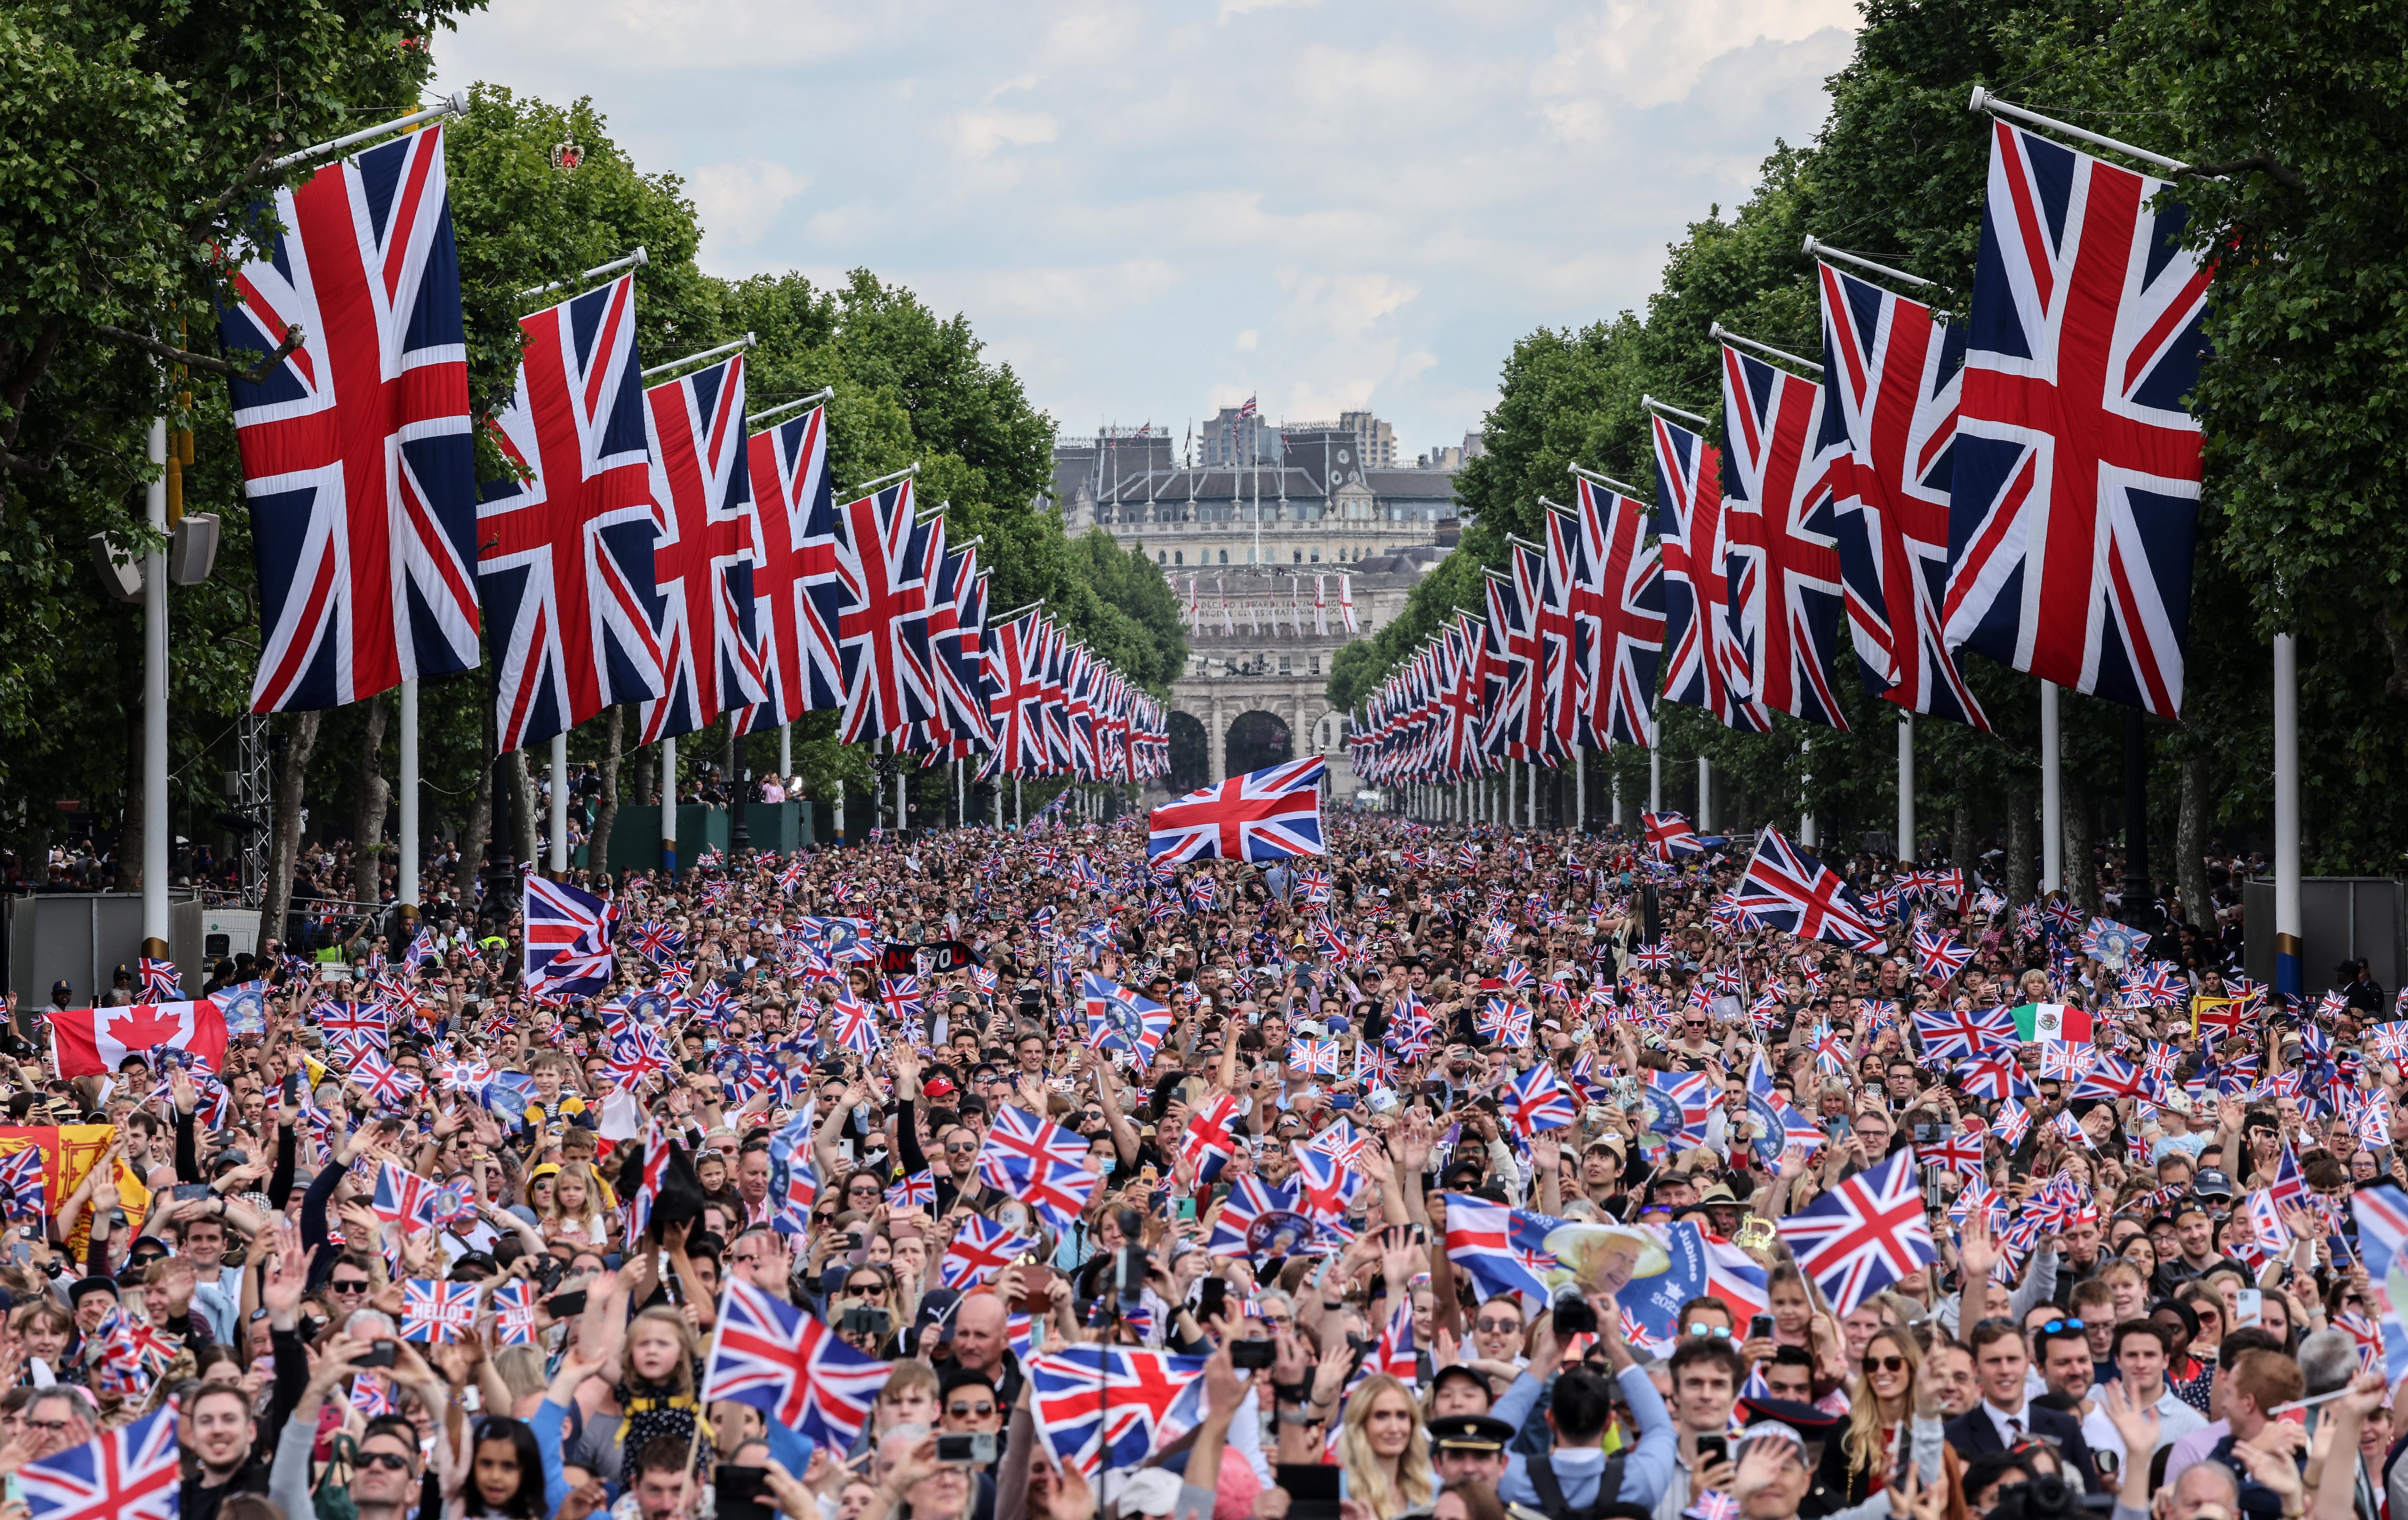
(657, 944)
(560, 918)
(917, 1191)
(160, 982)
(1995, 1077)
(354, 1027)
(980, 1250)
(403, 1198)
(1865, 1234)
(132, 1473)
(1039, 1163)
(1267, 814)
(436, 1312)
(513, 1306)
(388, 1085)
(857, 1024)
(1948, 1032)
(1939, 955)
(2077, 469)
(21, 1187)
(1787, 889)
(702, 561)
(565, 549)
(1316, 1057)
(356, 453)
(1109, 1405)
(1211, 1137)
(791, 1366)
(1480, 1240)
(1535, 1101)
(1669, 835)
(1249, 1199)
(1119, 1018)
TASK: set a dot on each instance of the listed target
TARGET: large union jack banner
(2075, 490)
(1622, 595)
(1786, 888)
(357, 457)
(702, 561)
(1508, 688)
(1266, 814)
(1891, 376)
(1778, 454)
(795, 595)
(1704, 664)
(565, 551)
(1865, 1234)
(882, 565)
(1015, 690)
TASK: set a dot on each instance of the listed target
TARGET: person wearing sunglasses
(1891, 1407)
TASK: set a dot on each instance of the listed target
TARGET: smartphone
(2248, 1308)
(1185, 1208)
(742, 1491)
(1256, 1355)
(1711, 1450)
(1759, 1327)
(565, 1305)
(184, 1191)
(1213, 1298)
(971, 1450)
(292, 1087)
(378, 1355)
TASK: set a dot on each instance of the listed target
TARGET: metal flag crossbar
(1667, 408)
(1608, 482)
(456, 106)
(1985, 101)
(736, 346)
(1818, 249)
(1727, 335)
(785, 407)
(637, 260)
(872, 485)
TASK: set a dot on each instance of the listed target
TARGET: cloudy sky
(1154, 207)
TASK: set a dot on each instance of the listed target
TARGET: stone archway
(1257, 739)
(1191, 755)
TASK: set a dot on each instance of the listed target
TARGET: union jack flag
(857, 1024)
(558, 918)
(796, 600)
(356, 452)
(2077, 469)
(404, 1198)
(1618, 603)
(437, 1312)
(980, 1250)
(1786, 889)
(131, 1472)
(703, 559)
(1781, 454)
(1995, 1077)
(1480, 1238)
(637, 1051)
(1326, 1187)
(1865, 1234)
(566, 553)
(1109, 1405)
(356, 1027)
(1211, 1137)
(1704, 665)
(1949, 1032)
(1267, 814)
(1669, 835)
(1939, 955)
(883, 630)
(1535, 1101)
(1959, 1150)
(657, 942)
(917, 1191)
(159, 982)
(1658, 956)
(1890, 377)
(791, 1366)
(1038, 1162)
(513, 1306)
(387, 1083)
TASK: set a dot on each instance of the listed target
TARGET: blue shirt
(1645, 1468)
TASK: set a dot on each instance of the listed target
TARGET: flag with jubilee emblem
(357, 459)
(564, 555)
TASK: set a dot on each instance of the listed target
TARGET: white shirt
(2009, 1437)
(2175, 1420)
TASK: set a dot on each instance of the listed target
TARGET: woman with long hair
(1381, 1447)
(1893, 1410)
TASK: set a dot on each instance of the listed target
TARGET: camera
(1929, 1134)
(2047, 1497)
(975, 1450)
(1256, 1355)
(1573, 1315)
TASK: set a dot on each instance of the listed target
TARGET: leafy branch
(256, 375)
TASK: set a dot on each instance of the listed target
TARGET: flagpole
(1704, 821)
(1656, 781)
(2288, 922)
(155, 707)
(1580, 790)
(1906, 851)
(785, 752)
(1805, 810)
(668, 809)
(2052, 802)
(406, 865)
(559, 805)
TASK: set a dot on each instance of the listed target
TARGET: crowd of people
(1298, 1161)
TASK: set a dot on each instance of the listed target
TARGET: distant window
(1316, 555)
(1283, 664)
(1316, 665)
(1179, 556)
(1224, 556)
(1162, 557)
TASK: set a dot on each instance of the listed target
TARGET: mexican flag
(93, 1041)
(2053, 1021)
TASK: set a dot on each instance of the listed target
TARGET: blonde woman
(1888, 1396)
(1381, 1447)
(576, 1214)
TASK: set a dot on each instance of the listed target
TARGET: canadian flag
(92, 1041)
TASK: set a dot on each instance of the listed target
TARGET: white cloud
(738, 202)
(1376, 202)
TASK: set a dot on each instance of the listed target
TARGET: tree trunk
(597, 844)
(375, 797)
(284, 839)
(1961, 850)
(2022, 831)
(646, 763)
(528, 846)
(2080, 872)
(130, 821)
(2190, 843)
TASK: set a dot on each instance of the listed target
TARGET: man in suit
(2006, 1417)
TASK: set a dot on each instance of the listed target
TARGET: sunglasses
(866, 1290)
(390, 1461)
(1496, 1326)
(965, 1412)
(1699, 1328)
(2055, 1324)
(1884, 1364)
(350, 1285)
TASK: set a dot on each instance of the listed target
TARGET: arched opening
(1191, 755)
(1257, 739)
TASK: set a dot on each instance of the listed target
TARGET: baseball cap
(2212, 1183)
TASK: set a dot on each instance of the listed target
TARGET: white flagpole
(1906, 851)
(2288, 921)
(559, 805)
(2052, 805)
(668, 809)
(408, 863)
